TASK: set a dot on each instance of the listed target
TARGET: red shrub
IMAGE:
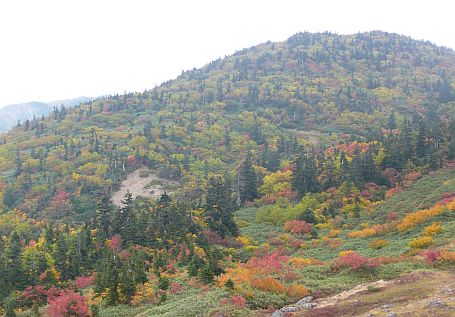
(115, 243)
(238, 301)
(37, 295)
(354, 261)
(68, 304)
(272, 261)
(85, 281)
(298, 227)
(176, 288)
(432, 256)
(392, 216)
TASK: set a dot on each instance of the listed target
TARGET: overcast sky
(62, 49)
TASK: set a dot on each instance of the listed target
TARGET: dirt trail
(142, 182)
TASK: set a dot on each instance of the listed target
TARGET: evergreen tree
(304, 177)
(248, 180)
(104, 216)
(219, 208)
(421, 147)
(14, 272)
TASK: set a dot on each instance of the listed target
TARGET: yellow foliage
(421, 242)
(346, 252)
(297, 291)
(378, 244)
(433, 229)
(418, 217)
(334, 233)
(302, 262)
(364, 233)
(144, 294)
(451, 205)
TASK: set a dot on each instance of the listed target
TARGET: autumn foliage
(68, 304)
(354, 261)
(298, 227)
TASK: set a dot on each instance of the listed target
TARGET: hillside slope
(302, 167)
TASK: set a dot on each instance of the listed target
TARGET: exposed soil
(142, 182)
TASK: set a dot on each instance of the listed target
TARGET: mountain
(300, 167)
(10, 115)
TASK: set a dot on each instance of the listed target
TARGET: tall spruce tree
(219, 208)
(248, 180)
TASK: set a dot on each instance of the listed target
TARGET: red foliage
(124, 254)
(411, 178)
(432, 256)
(68, 304)
(171, 267)
(296, 244)
(132, 161)
(176, 288)
(37, 295)
(392, 216)
(298, 227)
(60, 198)
(447, 197)
(289, 276)
(271, 261)
(116, 243)
(238, 301)
(85, 281)
(215, 238)
(393, 175)
(354, 261)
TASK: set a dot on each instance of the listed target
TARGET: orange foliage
(297, 291)
(269, 284)
(433, 229)
(448, 256)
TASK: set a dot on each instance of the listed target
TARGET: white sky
(61, 49)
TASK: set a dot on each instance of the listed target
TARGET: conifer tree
(248, 182)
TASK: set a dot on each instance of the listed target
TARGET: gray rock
(386, 306)
(278, 313)
(290, 309)
(436, 303)
(308, 305)
(305, 300)
(391, 314)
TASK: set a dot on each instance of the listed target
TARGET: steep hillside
(301, 167)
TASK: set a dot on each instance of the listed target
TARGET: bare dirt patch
(142, 183)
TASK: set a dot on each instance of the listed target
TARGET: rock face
(306, 302)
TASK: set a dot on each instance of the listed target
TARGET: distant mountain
(11, 114)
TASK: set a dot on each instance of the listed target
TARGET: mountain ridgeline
(275, 149)
(12, 114)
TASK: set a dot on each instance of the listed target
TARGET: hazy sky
(62, 49)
